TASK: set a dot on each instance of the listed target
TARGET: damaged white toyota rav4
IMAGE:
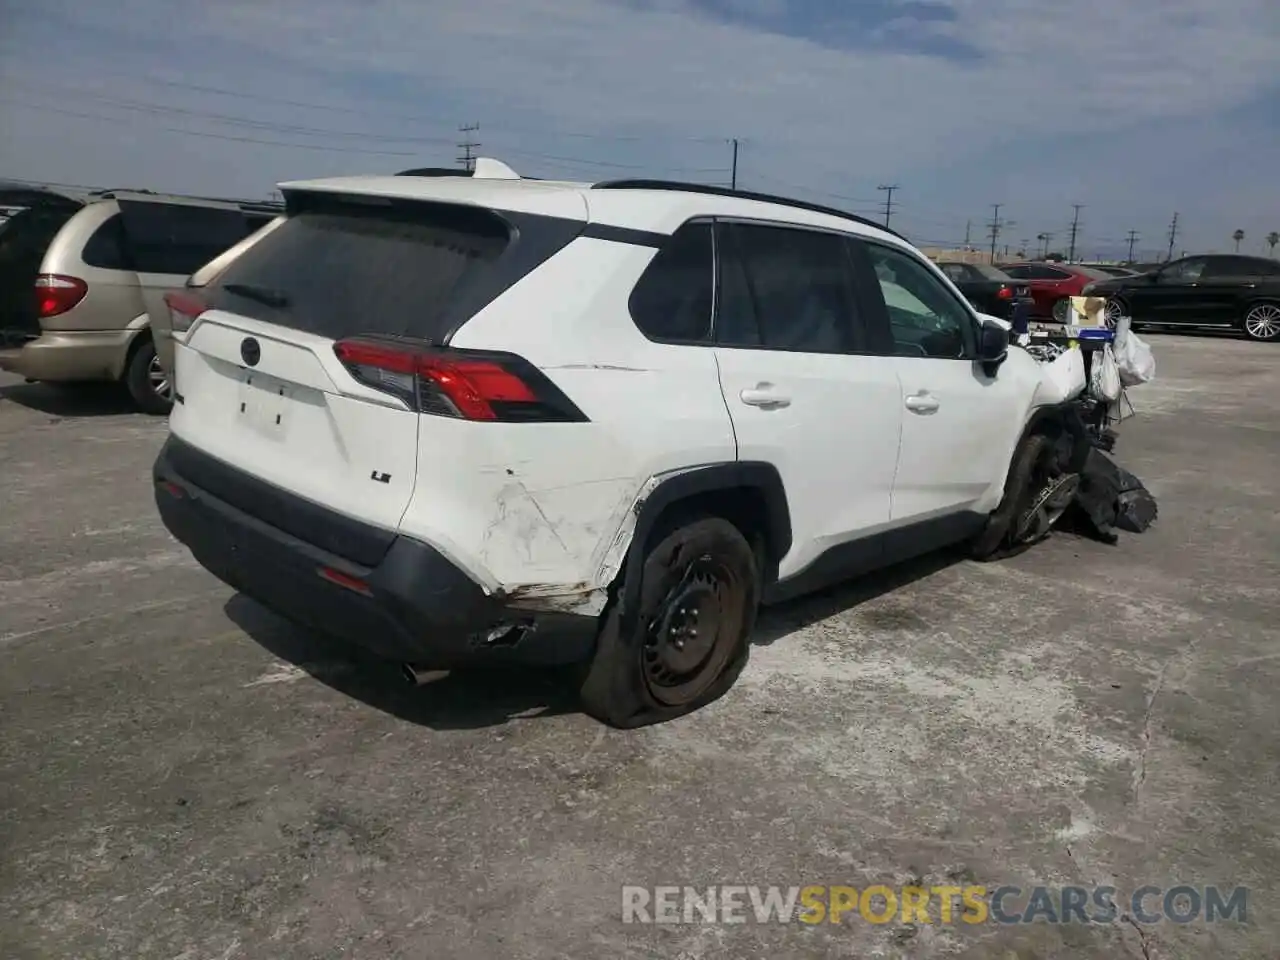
(465, 419)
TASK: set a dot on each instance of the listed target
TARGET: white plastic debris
(1134, 359)
(1104, 375)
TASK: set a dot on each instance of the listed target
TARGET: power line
(1075, 227)
(888, 200)
(468, 158)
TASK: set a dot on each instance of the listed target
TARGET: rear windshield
(341, 270)
(992, 273)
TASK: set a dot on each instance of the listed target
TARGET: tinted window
(1240, 267)
(991, 273)
(1184, 270)
(1018, 272)
(178, 239)
(787, 289)
(672, 300)
(1038, 272)
(106, 248)
(341, 270)
(958, 272)
(925, 319)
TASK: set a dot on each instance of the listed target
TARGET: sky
(1134, 109)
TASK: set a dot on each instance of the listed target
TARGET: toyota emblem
(250, 351)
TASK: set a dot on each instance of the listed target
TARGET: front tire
(149, 384)
(993, 542)
(687, 640)
(1262, 322)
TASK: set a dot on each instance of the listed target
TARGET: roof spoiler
(486, 168)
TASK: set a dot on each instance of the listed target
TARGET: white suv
(461, 419)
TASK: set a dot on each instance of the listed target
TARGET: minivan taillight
(57, 293)
(183, 310)
(463, 384)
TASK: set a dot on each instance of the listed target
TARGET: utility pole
(967, 225)
(1133, 236)
(733, 182)
(1075, 227)
(994, 228)
(467, 146)
(888, 200)
(1173, 235)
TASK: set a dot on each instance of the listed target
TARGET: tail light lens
(184, 308)
(56, 294)
(1005, 293)
(462, 384)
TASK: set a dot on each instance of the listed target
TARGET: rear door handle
(922, 403)
(764, 395)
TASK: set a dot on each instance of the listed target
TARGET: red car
(1052, 284)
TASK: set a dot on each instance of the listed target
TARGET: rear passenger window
(105, 248)
(672, 300)
(784, 288)
(177, 238)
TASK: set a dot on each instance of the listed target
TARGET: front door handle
(764, 395)
(922, 403)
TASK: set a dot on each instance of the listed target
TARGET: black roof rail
(682, 187)
(437, 172)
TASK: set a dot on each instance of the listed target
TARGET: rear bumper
(74, 355)
(412, 605)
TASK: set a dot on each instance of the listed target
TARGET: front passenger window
(925, 320)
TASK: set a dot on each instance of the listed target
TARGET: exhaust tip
(418, 676)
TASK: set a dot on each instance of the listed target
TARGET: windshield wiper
(263, 295)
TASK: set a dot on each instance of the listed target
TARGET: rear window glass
(106, 247)
(177, 238)
(345, 270)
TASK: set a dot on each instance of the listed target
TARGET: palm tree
(1237, 237)
(1272, 239)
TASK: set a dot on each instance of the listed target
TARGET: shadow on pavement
(461, 700)
(778, 621)
(491, 696)
(70, 399)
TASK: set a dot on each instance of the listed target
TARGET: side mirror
(993, 345)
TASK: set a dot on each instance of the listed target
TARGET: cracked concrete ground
(184, 776)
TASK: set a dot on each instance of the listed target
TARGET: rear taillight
(463, 384)
(56, 293)
(1005, 293)
(184, 308)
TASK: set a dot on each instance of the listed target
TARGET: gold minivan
(83, 278)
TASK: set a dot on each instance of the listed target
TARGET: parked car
(467, 419)
(1215, 290)
(1053, 285)
(82, 277)
(989, 289)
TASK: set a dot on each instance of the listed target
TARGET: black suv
(1213, 290)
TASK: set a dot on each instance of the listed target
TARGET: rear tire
(1262, 322)
(1059, 310)
(992, 542)
(149, 385)
(687, 641)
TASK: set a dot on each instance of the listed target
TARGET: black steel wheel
(686, 640)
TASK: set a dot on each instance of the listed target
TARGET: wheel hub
(686, 628)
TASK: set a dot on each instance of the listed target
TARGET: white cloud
(1069, 76)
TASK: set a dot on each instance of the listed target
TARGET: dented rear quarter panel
(542, 513)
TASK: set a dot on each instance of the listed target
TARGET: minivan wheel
(1262, 322)
(687, 639)
(148, 383)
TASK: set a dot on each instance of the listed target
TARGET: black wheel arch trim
(760, 477)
